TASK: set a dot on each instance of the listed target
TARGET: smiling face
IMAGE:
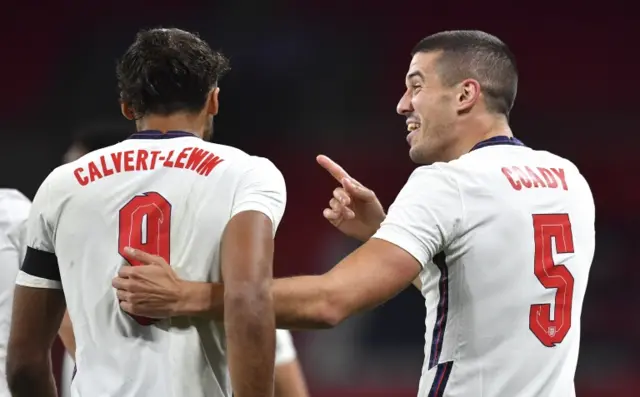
(433, 108)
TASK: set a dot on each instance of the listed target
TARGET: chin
(420, 156)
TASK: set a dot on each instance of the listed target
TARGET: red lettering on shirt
(535, 177)
(192, 159)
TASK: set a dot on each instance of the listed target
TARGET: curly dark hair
(478, 55)
(166, 71)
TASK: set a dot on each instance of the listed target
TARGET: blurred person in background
(170, 191)
(14, 211)
(289, 379)
(501, 236)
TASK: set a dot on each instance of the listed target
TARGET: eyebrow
(416, 73)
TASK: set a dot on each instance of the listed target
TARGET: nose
(405, 107)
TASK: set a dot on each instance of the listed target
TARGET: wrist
(199, 299)
(375, 226)
(189, 301)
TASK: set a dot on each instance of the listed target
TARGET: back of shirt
(505, 235)
(168, 194)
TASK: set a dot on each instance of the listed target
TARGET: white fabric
(14, 210)
(479, 212)
(68, 366)
(174, 196)
(285, 349)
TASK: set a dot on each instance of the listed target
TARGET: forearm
(66, 335)
(299, 302)
(304, 302)
(205, 300)
(32, 378)
(250, 330)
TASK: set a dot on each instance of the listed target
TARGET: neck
(481, 128)
(175, 122)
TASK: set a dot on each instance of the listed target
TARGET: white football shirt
(168, 194)
(505, 237)
(285, 354)
(14, 211)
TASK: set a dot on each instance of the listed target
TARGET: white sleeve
(10, 262)
(40, 266)
(17, 210)
(39, 225)
(261, 188)
(13, 217)
(425, 216)
(285, 350)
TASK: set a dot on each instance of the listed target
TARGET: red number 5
(145, 224)
(550, 229)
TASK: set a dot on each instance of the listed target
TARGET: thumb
(145, 258)
(355, 189)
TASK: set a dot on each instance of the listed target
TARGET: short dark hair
(478, 55)
(97, 137)
(166, 71)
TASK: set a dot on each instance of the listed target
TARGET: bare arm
(38, 304)
(371, 275)
(247, 271)
(37, 314)
(66, 335)
(354, 209)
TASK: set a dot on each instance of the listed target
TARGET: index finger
(332, 167)
(139, 255)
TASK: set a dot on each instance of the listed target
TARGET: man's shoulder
(240, 161)
(491, 155)
(14, 208)
(14, 213)
(223, 150)
(490, 162)
(9, 197)
(61, 178)
(232, 153)
(432, 183)
(441, 172)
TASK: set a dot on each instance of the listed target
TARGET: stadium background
(324, 77)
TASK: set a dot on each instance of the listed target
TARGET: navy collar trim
(498, 140)
(153, 134)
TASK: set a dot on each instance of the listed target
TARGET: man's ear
(127, 112)
(468, 95)
(212, 101)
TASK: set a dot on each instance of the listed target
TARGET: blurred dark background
(324, 77)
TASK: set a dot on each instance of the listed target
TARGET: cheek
(423, 103)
